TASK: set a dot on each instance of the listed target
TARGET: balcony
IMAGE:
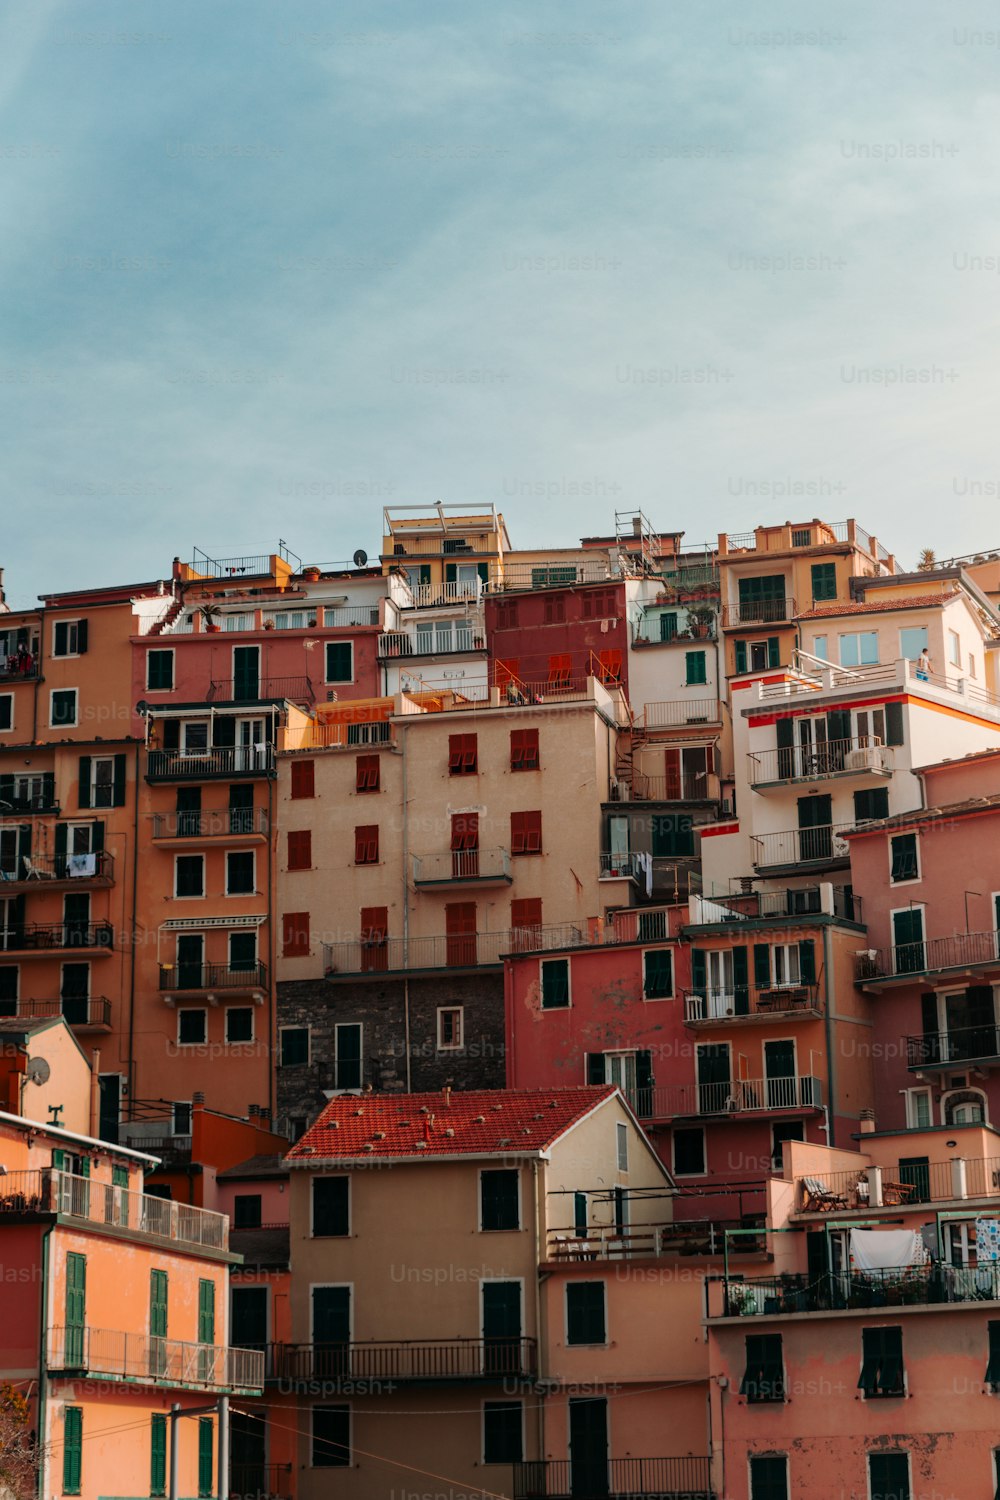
(251, 976)
(462, 867)
(250, 823)
(402, 643)
(839, 1291)
(793, 849)
(642, 1241)
(13, 673)
(261, 690)
(30, 939)
(615, 1479)
(26, 807)
(896, 1184)
(861, 757)
(81, 1012)
(962, 952)
(60, 872)
(748, 1002)
(405, 1360)
(945, 1049)
(110, 1354)
(241, 760)
(54, 1192)
(648, 631)
(461, 951)
(260, 1482)
(738, 1096)
(435, 595)
(686, 786)
(758, 612)
(677, 713)
(525, 576)
(768, 906)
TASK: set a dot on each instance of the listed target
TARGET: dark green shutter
(205, 1465)
(838, 724)
(761, 965)
(171, 734)
(72, 1449)
(595, 1067)
(96, 837)
(894, 724)
(807, 961)
(7, 788)
(59, 1160)
(81, 637)
(774, 651)
(158, 1292)
(206, 1312)
(741, 656)
(119, 792)
(585, 1322)
(76, 1309)
(483, 569)
(740, 981)
(992, 1376)
(62, 829)
(699, 971)
(425, 573)
(223, 732)
(85, 780)
(24, 846)
(450, 572)
(824, 581)
(158, 1455)
(785, 731)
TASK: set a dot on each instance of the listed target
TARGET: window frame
(296, 941)
(859, 636)
(245, 1041)
(339, 1406)
(508, 1172)
(571, 1343)
(463, 755)
(297, 774)
(339, 1026)
(526, 832)
(753, 1458)
(7, 710)
(903, 1453)
(542, 964)
(909, 879)
(459, 1010)
(496, 1404)
(329, 646)
(302, 838)
(366, 844)
(55, 693)
(876, 1393)
(521, 753)
(281, 1046)
(363, 766)
(68, 626)
(910, 1097)
(621, 1145)
(700, 656)
(179, 895)
(243, 854)
(775, 1384)
(657, 953)
(161, 651)
(349, 1204)
(193, 1010)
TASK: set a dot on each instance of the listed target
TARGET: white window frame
(791, 960)
(317, 1177)
(767, 654)
(621, 1145)
(101, 760)
(911, 1096)
(653, 999)
(167, 651)
(177, 859)
(443, 1046)
(901, 885)
(203, 1012)
(954, 648)
(308, 1031)
(495, 1400)
(76, 964)
(343, 681)
(73, 625)
(821, 647)
(895, 911)
(520, 1204)
(860, 719)
(704, 1153)
(253, 889)
(245, 1041)
(626, 1055)
(9, 699)
(576, 1281)
(856, 635)
(66, 724)
(969, 1088)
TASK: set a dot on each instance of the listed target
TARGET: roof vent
(368, 1146)
(359, 1111)
(450, 1131)
(505, 1141)
(496, 1107)
(421, 1145)
(379, 1135)
(479, 1119)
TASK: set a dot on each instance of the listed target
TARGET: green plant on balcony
(210, 613)
(700, 619)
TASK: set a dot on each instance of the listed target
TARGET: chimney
(95, 1092)
(447, 1095)
(867, 1122)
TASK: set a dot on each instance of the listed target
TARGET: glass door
(779, 1075)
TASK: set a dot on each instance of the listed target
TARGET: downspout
(272, 984)
(831, 1065)
(131, 987)
(43, 1378)
(540, 1374)
(406, 914)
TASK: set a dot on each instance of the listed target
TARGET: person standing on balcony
(924, 668)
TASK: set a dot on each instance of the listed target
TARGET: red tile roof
(476, 1122)
(881, 607)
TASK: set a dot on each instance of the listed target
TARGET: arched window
(964, 1107)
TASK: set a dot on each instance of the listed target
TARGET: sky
(270, 265)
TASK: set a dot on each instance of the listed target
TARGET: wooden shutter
(741, 987)
(807, 961)
(158, 1455)
(672, 772)
(84, 795)
(761, 965)
(81, 637)
(774, 651)
(303, 782)
(894, 724)
(367, 773)
(526, 833)
(295, 934)
(526, 921)
(300, 849)
(118, 799)
(205, 1462)
(366, 844)
(595, 1067)
(741, 657)
(72, 1449)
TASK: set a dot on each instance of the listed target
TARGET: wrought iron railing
(863, 753)
(239, 760)
(257, 689)
(757, 612)
(472, 950)
(143, 1356)
(404, 1359)
(230, 822)
(714, 1004)
(30, 936)
(676, 712)
(959, 951)
(181, 976)
(686, 1478)
(791, 1292)
(820, 845)
(98, 866)
(896, 1183)
(731, 1097)
(961, 1044)
(41, 802)
(78, 1010)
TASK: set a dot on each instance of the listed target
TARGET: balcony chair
(817, 1197)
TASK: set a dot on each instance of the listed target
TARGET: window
(330, 1207)
(560, 670)
(192, 1028)
(609, 667)
(764, 1376)
(889, 1476)
(6, 711)
(694, 668)
(668, 626)
(72, 1449)
(331, 1437)
(503, 1432)
(954, 648)
(158, 1455)
(347, 1055)
(786, 1130)
(247, 1211)
(919, 1113)
(555, 609)
(881, 1362)
(367, 773)
(180, 1115)
(860, 649)
(908, 950)
(869, 726)
(159, 671)
(824, 581)
(303, 778)
(524, 749)
(672, 836)
(526, 833)
(769, 1477)
(599, 604)
(820, 648)
(206, 1467)
(101, 780)
(239, 1024)
(499, 1199)
(621, 1134)
(658, 974)
(449, 1028)
(912, 641)
(903, 851)
(802, 538)
(300, 849)
(189, 875)
(526, 924)
(462, 754)
(295, 934)
(689, 1152)
(555, 983)
(992, 1376)
(62, 708)
(240, 873)
(586, 1322)
(69, 638)
(339, 661)
(871, 803)
(366, 844)
(294, 1042)
(507, 614)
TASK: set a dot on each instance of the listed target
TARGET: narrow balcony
(459, 951)
(462, 867)
(208, 977)
(961, 953)
(13, 806)
(417, 1360)
(395, 643)
(81, 1012)
(962, 1044)
(728, 1099)
(251, 689)
(651, 627)
(859, 758)
(30, 939)
(685, 786)
(110, 1354)
(50, 1191)
(758, 612)
(59, 872)
(623, 866)
(687, 1478)
(525, 576)
(240, 760)
(677, 713)
(11, 671)
(893, 1185)
(435, 595)
(248, 824)
(713, 1007)
(840, 1291)
(793, 849)
(642, 1241)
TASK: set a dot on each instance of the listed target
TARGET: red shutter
(672, 768)
(526, 924)
(366, 844)
(374, 941)
(367, 773)
(295, 934)
(300, 849)
(525, 833)
(460, 927)
(609, 666)
(303, 778)
(560, 667)
(524, 749)
(462, 754)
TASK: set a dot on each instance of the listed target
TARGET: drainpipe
(130, 1062)
(223, 1425)
(542, 1363)
(406, 913)
(43, 1376)
(831, 1066)
(95, 1091)
(271, 989)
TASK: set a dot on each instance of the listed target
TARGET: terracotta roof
(882, 607)
(928, 815)
(262, 1247)
(950, 762)
(476, 1122)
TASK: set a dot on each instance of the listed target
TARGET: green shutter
(740, 981)
(695, 671)
(158, 1291)
(699, 977)
(59, 1160)
(62, 829)
(741, 656)
(84, 798)
(838, 724)
(72, 1449)
(425, 573)
(206, 1312)
(773, 651)
(450, 572)
(96, 837)
(761, 965)
(119, 791)
(483, 569)
(81, 637)
(205, 1465)
(824, 581)
(585, 1322)
(894, 724)
(85, 1166)
(76, 1309)
(223, 732)
(807, 961)
(158, 1455)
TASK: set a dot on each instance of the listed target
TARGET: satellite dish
(38, 1070)
(360, 558)
(142, 708)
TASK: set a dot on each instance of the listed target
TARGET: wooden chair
(817, 1197)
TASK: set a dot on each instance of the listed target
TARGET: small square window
(294, 1042)
(240, 873)
(63, 708)
(192, 1028)
(189, 870)
(247, 1211)
(239, 1024)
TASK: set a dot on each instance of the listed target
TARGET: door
(74, 993)
(246, 673)
(762, 599)
(157, 1322)
(464, 846)
(76, 1310)
(76, 920)
(190, 961)
(969, 1022)
(460, 933)
(714, 1078)
(331, 1324)
(908, 940)
(721, 997)
(241, 807)
(188, 811)
(501, 1327)
(251, 745)
(249, 1317)
(588, 1447)
(815, 834)
(916, 1171)
(779, 1073)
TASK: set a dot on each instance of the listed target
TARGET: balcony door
(243, 951)
(460, 931)
(110, 1107)
(908, 940)
(11, 922)
(74, 993)
(190, 960)
(331, 1331)
(588, 1447)
(248, 1476)
(761, 599)
(779, 1074)
(714, 1078)
(464, 846)
(502, 1330)
(251, 745)
(76, 1309)
(970, 1023)
(76, 920)
(248, 1309)
(246, 673)
(815, 832)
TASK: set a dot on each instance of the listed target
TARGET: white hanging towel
(82, 864)
(880, 1249)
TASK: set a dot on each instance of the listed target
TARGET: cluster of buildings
(527, 1019)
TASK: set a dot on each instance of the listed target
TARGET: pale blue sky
(270, 264)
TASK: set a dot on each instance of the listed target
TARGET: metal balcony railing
(430, 595)
(647, 631)
(730, 1097)
(405, 1359)
(259, 689)
(620, 866)
(344, 735)
(83, 869)
(687, 1478)
(676, 712)
(936, 1049)
(455, 866)
(29, 937)
(795, 902)
(249, 976)
(862, 754)
(473, 950)
(749, 1000)
(351, 617)
(239, 760)
(163, 1361)
(524, 576)
(41, 802)
(12, 671)
(637, 786)
(961, 951)
(420, 643)
(758, 612)
(895, 1184)
(87, 1012)
(904, 1286)
(820, 846)
(229, 822)
(635, 1241)
(53, 1191)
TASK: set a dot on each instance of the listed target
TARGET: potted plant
(210, 614)
(700, 620)
(312, 573)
